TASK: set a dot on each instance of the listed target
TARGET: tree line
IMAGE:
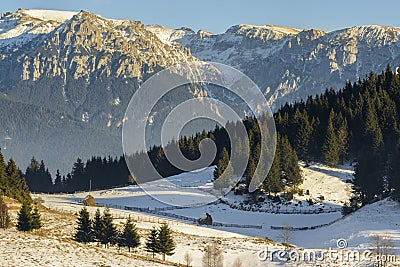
(97, 173)
(102, 173)
(359, 122)
(286, 169)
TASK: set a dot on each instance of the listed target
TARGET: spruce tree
(394, 173)
(84, 230)
(36, 221)
(370, 170)
(129, 236)
(58, 185)
(330, 149)
(303, 132)
(273, 181)
(289, 163)
(17, 187)
(151, 242)
(25, 218)
(97, 226)
(223, 172)
(222, 163)
(3, 175)
(165, 244)
(342, 137)
(109, 231)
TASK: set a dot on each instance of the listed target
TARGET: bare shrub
(286, 235)
(187, 259)
(213, 256)
(237, 263)
(4, 216)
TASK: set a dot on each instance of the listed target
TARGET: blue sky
(217, 15)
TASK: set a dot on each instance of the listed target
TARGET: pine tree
(370, 170)
(303, 132)
(222, 163)
(330, 149)
(151, 242)
(84, 230)
(165, 244)
(58, 183)
(36, 221)
(289, 163)
(129, 237)
(372, 132)
(16, 185)
(223, 172)
(25, 218)
(109, 231)
(97, 226)
(78, 177)
(273, 181)
(342, 137)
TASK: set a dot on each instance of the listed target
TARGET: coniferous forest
(359, 123)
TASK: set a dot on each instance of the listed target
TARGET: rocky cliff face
(288, 64)
(81, 69)
(86, 66)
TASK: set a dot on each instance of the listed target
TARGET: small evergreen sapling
(84, 230)
(25, 218)
(36, 221)
(109, 231)
(151, 242)
(97, 226)
(165, 244)
(129, 237)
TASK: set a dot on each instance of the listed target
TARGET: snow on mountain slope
(357, 228)
(24, 25)
(46, 15)
(289, 65)
(381, 217)
(201, 187)
(168, 35)
(330, 183)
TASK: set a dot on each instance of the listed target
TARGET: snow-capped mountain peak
(264, 32)
(26, 24)
(374, 35)
(169, 35)
(48, 15)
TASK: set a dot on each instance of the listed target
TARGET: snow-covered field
(245, 243)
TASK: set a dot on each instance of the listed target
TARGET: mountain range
(66, 78)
